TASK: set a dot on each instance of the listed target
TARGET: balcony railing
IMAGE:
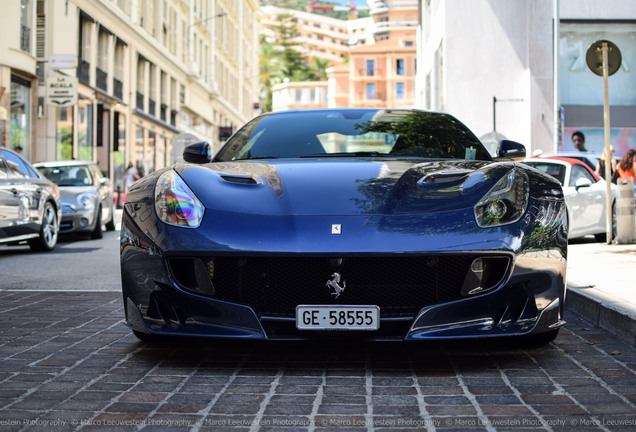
(83, 72)
(163, 112)
(151, 107)
(118, 88)
(25, 38)
(101, 79)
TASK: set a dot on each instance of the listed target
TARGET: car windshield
(70, 175)
(555, 170)
(353, 132)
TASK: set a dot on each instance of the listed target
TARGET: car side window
(18, 167)
(579, 172)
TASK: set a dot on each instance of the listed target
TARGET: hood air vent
(240, 179)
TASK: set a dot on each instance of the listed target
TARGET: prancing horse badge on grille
(335, 284)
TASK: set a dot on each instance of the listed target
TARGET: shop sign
(62, 61)
(61, 90)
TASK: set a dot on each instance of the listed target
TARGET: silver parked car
(86, 195)
(29, 204)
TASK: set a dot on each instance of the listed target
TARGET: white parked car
(584, 192)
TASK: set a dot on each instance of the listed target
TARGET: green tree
(318, 68)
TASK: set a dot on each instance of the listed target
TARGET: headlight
(86, 200)
(175, 203)
(506, 202)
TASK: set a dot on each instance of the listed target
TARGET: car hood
(69, 194)
(341, 187)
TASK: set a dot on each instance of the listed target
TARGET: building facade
(319, 36)
(501, 82)
(380, 75)
(18, 80)
(144, 70)
(371, 72)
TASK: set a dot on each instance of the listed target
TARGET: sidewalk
(601, 284)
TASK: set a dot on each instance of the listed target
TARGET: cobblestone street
(68, 363)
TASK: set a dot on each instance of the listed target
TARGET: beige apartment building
(378, 65)
(142, 72)
(381, 75)
(319, 35)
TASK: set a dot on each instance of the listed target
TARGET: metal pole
(608, 161)
(494, 114)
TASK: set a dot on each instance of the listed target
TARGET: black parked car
(29, 204)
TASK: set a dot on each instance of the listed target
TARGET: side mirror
(198, 153)
(510, 150)
(582, 183)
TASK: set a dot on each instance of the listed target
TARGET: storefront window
(582, 92)
(119, 151)
(139, 150)
(64, 134)
(20, 116)
(161, 152)
(150, 152)
(85, 130)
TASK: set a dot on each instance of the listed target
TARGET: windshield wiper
(257, 157)
(359, 153)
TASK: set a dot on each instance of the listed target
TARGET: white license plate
(328, 317)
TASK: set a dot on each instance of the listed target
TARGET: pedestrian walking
(625, 168)
(600, 166)
(131, 176)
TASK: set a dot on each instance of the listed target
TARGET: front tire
(110, 225)
(47, 239)
(97, 232)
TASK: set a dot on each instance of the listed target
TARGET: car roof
(63, 163)
(568, 160)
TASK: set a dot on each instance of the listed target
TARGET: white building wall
(502, 49)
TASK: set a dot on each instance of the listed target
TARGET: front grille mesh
(400, 285)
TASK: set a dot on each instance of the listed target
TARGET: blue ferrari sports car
(374, 224)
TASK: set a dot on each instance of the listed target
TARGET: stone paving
(68, 363)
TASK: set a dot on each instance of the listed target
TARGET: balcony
(163, 112)
(118, 88)
(101, 79)
(25, 38)
(83, 72)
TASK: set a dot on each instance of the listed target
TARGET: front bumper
(77, 220)
(529, 299)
